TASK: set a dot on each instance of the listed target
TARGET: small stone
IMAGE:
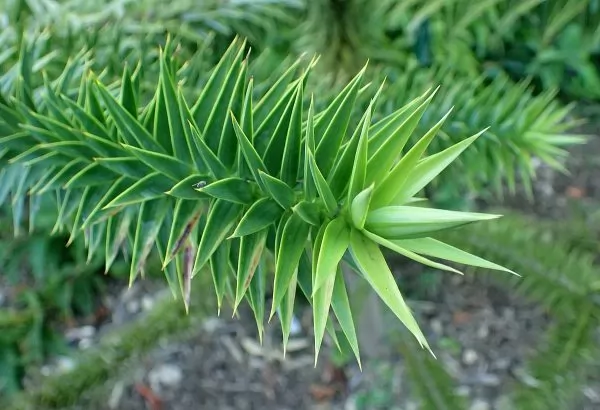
(64, 364)
(591, 394)
(525, 377)
(411, 405)
(133, 306)
(211, 324)
(168, 375)
(502, 364)
(509, 314)
(456, 279)
(147, 303)
(451, 365)
(295, 327)
(461, 317)
(470, 357)
(463, 391)
(483, 332)
(80, 333)
(480, 405)
(116, 395)
(503, 403)
(350, 404)
(489, 379)
(85, 344)
(436, 326)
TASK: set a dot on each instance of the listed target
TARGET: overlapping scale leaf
(262, 192)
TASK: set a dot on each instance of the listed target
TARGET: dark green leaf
(230, 189)
(251, 249)
(310, 212)
(152, 186)
(260, 215)
(222, 217)
(330, 129)
(292, 243)
(279, 190)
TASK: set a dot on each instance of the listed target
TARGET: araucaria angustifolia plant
(247, 188)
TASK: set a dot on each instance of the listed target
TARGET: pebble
(591, 394)
(147, 303)
(211, 324)
(85, 344)
(436, 326)
(502, 363)
(411, 405)
(523, 375)
(351, 404)
(296, 326)
(489, 379)
(116, 395)
(451, 365)
(483, 332)
(463, 391)
(64, 364)
(503, 403)
(133, 306)
(168, 375)
(80, 333)
(480, 405)
(470, 357)
(508, 314)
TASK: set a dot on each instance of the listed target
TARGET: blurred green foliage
(507, 64)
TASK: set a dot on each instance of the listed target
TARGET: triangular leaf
(292, 242)
(221, 219)
(343, 312)
(286, 309)
(359, 207)
(322, 187)
(394, 246)
(230, 189)
(359, 169)
(400, 173)
(186, 215)
(150, 219)
(406, 222)
(310, 212)
(256, 296)
(167, 165)
(430, 167)
(253, 160)
(375, 270)
(260, 215)
(279, 190)
(382, 160)
(310, 190)
(437, 249)
(152, 186)
(321, 306)
(221, 271)
(330, 129)
(251, 249)
(336, 240)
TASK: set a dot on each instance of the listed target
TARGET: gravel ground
(479, 333)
